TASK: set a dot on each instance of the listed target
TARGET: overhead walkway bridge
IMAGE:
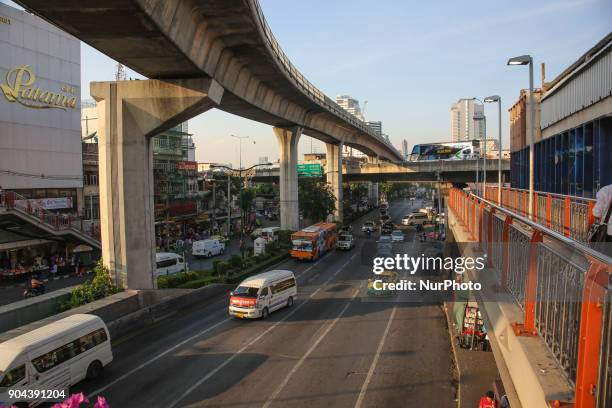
(546, 298)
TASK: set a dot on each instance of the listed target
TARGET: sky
(409, 59)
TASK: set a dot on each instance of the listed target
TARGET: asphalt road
(14, 291)
(336, 347)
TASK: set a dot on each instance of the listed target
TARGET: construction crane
(120, 75)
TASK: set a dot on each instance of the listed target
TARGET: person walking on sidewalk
(488, 400)
(601, 232)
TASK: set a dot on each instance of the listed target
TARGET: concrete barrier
(131, 310)
(30, 310)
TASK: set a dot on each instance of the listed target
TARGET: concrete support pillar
(334, 175)
(129, 113)
(373, 194)
(289, 207)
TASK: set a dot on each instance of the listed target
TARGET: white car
(384, 239)
(397, 236)
(345, 242)
(207, 248)
(368, 226)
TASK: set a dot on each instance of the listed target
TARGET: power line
(40, 176)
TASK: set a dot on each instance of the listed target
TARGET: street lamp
(240, 171)
(527, 60)
(492, 99)
(484, 173)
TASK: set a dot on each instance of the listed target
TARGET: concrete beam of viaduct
(130, 113)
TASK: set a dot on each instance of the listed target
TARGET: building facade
(351, 105)
(40, 74)
(376, 126)
(468, 121)
(573, 148)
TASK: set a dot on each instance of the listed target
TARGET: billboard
(187, 166)
(445, 151)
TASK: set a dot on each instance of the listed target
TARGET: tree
(316, 199)
(386, 188)
(246, 199)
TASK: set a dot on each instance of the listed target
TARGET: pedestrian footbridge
(545, 297)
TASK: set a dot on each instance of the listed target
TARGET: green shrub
(198, 283)
(173, 281)
(99, 287)
(236, 261)
(222, 267)
(216, 263)
(284, 237)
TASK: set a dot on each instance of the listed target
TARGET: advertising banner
(58, 203)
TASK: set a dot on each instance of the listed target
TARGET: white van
(262, 294)
(415, 219)
(207, 248)
(168, 263)
(270, 233)
(54, 357)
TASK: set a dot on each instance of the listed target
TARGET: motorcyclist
(37, 286)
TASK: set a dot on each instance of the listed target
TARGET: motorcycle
(32, 292)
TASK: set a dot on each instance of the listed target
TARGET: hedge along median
(226, 271)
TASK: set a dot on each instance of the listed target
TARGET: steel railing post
(505, 252)
(490, 238)
(591, 320)
(567, 202)
(534, 210)
(527, 328)
(549, 211)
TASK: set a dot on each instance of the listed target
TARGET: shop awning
(23, 244)
(82, 248)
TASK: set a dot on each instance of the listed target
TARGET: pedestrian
(488, 400)
(54, 270)
(1, 196)
(601, 211)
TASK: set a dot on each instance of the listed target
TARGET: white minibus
(260, 295)
(415, 219)
(270, 233)
(53, 357)
(168, 263)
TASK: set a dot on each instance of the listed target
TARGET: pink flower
(74, 401)
(101, 403)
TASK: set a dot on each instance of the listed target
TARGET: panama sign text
(21, 87)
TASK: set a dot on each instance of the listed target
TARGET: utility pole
(229, 203)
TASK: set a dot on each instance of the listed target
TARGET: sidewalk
(476, 370)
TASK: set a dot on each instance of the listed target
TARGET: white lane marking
(150, 361)
(305, 356)
(157, 357)
(255, 340)
(364, 387)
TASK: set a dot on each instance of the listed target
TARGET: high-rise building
(351, 105)
(405, 151)
(376, 127)
(468, 121)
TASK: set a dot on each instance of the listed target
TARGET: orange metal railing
(568, 215)
(562, 286)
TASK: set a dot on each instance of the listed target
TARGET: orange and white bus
(312, 242)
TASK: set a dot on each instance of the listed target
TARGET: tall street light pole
(484, 173)
(491, 99)
(528, 60)
(240, 138)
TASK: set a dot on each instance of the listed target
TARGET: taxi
(386, 277)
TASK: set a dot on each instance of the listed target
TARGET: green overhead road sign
(309, 170)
